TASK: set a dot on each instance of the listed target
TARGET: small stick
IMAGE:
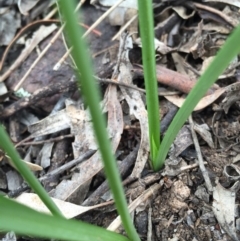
(172, 78)
(149, 231)
(61, 169)
(199, 155)
(59, 138)
(67, 166)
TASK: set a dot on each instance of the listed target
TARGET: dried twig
(172, 78)
(199, 155)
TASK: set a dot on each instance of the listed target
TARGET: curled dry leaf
(231, 97)
(203, 103)
(182, 12)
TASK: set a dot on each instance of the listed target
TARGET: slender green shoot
(8, 147)
(92, 97)
(145, 12)
(26, 221)
(225, 55)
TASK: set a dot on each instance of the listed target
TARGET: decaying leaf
(136, 105)
(70, 189)
(179, 193)
(69, 210)
(203, 131)
(26, 5)
(224, 208)
(14, 180)
(203, 103)
(32, 166)
(10, 22)
(51, 124)
(182, 12)
(232, 96)
(183, 140)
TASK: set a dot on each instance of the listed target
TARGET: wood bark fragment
(172, 78)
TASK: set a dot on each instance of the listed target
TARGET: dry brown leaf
(203, 103)
(33, 167)
(68, 189)
(182, 12)
(26, 5)
(69, 210)
(10, 22)
(224, 208)
(136, 105)
(51, 124)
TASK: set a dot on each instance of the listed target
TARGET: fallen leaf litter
(196, 195)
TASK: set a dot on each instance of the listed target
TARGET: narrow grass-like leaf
(8, 147)
(23, 220)
(92, 97)
(228, 51)
(145, 12)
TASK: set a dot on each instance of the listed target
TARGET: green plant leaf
(23, 220)
(154, 148)
(145, 12)
(92, 97)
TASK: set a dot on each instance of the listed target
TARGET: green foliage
(149, 66)
(92, 97)
(26, 221)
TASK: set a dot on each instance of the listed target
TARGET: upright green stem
(145, 12)
(92, 97)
